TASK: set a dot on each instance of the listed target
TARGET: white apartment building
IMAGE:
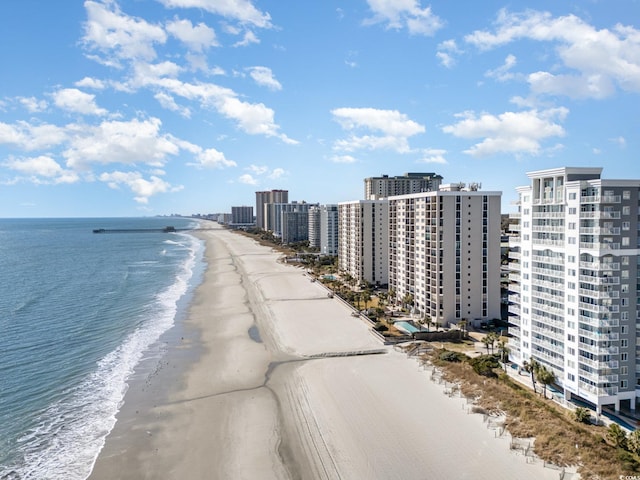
(363, 240)
(314, 226)
(444, 251)
(242, 215)
(385, 186)
(574, 282)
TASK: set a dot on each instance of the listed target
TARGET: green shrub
(380, 327)
(582, 414)
(449, 356)
(485, 365)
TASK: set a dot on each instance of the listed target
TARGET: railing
(600, 265)
(600, 214)
(600, 246)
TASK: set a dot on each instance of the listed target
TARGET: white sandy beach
(264, 387)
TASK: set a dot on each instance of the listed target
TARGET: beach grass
(559, 438)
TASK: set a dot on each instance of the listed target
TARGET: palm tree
(616, 435)
(633, 442)
(530, 367)
(366, 297)
(407, 299)
(545, 377)
(462, 324)
(504, 352)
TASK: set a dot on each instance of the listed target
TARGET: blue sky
(145, 107)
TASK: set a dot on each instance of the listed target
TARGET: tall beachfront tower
(263, 199)
(323, 228)
(242, 215)
(329, 229)
(574, 282)
(385, 186)
(363, 240)
(444, 252)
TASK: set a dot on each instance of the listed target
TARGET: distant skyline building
(385, 186)
(295, 226)
(444, 253)
(274, 215)
(574, 283)
(363, 240)
(263, 199)
(242, 215)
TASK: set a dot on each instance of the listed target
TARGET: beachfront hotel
(376, 188)
(263, 199)
(242, 216)
(574, 282)
(444, 253)
(323, 228)
(363, 240)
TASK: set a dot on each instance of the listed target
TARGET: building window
(623, 357)
(572, 211)
(572, 196)
(626, 194)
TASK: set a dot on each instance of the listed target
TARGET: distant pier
(168, 229)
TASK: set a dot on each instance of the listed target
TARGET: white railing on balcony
(599, 246)
(598, 214)
(600, 265)
(600, 230)
(549, 243)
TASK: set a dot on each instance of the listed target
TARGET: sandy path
(260, 401)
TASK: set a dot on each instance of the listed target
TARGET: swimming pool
(406, 327)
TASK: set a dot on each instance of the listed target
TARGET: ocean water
(78, 312)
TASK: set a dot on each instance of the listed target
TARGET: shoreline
(263, 384)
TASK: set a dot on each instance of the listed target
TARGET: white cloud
(399, 14)
(74, 100)
(141, 187)
(212, 158)
(509, 132)
(197, 38)
(343, 159)
(446, 53)
(433, 156)
(32, 104)
(110, 32)
(248, 39)
(503, 72)
(620, 141)
(88, 82)
(242, 11)
(596, 60)
(247, 179)
(258, 169)
(395, 129)
(277, 173)
(30, 137)
(127, 143)
(42, 169)
(264, 76)
(168, 102)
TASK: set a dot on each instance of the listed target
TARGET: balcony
(548, 243)
(600, 215)
(599, 294)
(600, 265)
(599, 246)
(599, 280)
(600, 230)
(514, 309)
(600, 392)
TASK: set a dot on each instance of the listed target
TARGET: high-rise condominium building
(574, 282)
(385, 186)
(444, 253)
(329, 229)
(242, 215)
(274, 221)
(323, 229)
(314, 227)
(363, 240)
(265, 198)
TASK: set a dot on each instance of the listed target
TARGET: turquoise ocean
(78, 312)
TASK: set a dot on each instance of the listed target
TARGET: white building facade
(444, 252)
(574, 282)
(363, 240)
